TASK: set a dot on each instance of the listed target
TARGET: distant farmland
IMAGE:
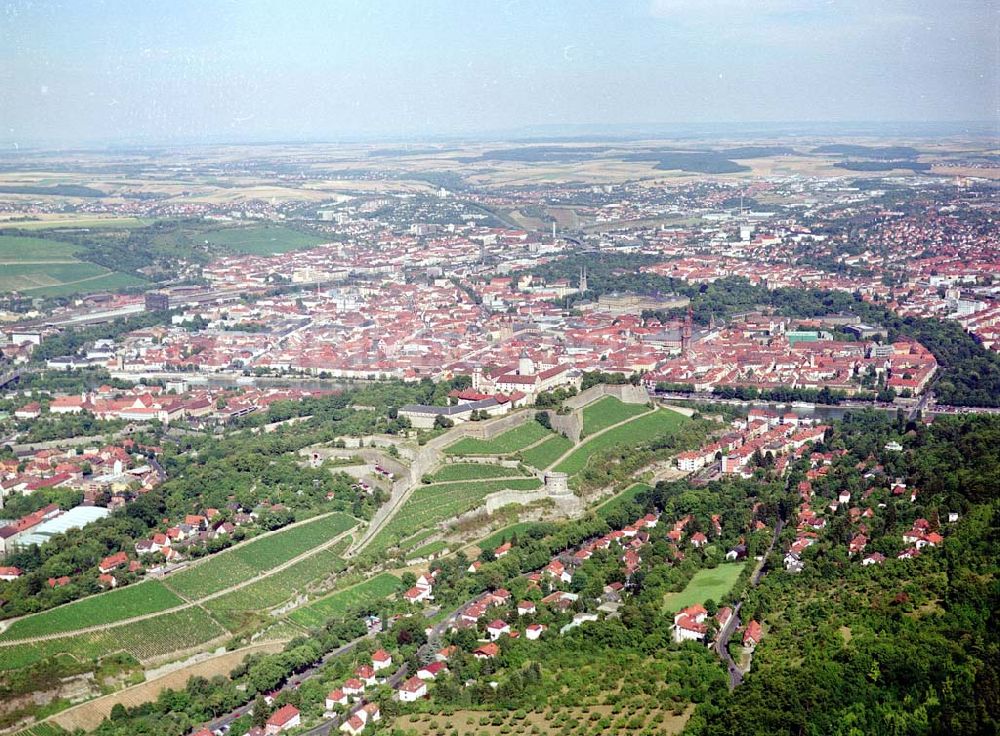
(262, 241)
(43, 267)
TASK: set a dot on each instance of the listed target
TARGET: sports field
(706, 585)
(639, 431)
(262, 241)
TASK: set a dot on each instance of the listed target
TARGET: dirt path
(190, 603)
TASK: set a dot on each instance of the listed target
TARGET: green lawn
(260, 555)
(431, 504)
(135, 600)
(472, 471)
(505, 443)
(14, 248)
(543, 455)
(608, 411)
(622, 499)
(263, 241)
(338, 603)
(639, 431)
(705, 585)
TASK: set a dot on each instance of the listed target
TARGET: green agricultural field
(506, 443)
(472, 471)
(711, 584)
(429, 505)
(544, 454)
(135, 600)
(622, 499)
(608, 411)
(262, 241)
(235, 609)
(639, 431)
(337, 604)
(19, 249)
(152, 637)
(62, 279)
(93, 223)
(45, 267)
(260, 555)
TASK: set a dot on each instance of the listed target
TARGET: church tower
(686, 332)
(583, 279)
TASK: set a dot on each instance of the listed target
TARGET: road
(296, 680)
(721, 645)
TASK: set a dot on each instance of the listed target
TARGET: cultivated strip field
(338, 603)
(246, 561)
(46, 267)
(135, 600)
(608, 411)
(506, 443)
(145, 639)
(472, 471)
(545, 453)
(638, 431)
(431, 504)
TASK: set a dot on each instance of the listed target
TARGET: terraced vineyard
(248, 560)
(608, 411)
(151, 637)
(505, 443)
(434, 503)
(639, 431)
(472, 471)
(543, 455)
(235, 609)
(337, 604)
(135, 600)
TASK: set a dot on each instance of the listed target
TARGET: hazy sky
(187, 70)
